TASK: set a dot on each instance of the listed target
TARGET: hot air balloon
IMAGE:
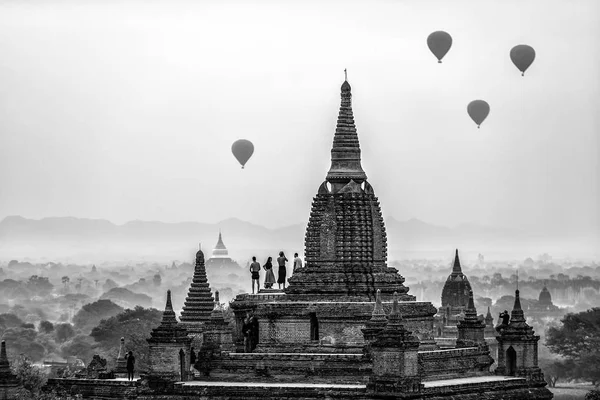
(439, 43)
(522, 56)
(242, 150)
(478, 111)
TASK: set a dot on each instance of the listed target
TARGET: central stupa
(331, 298)
(346, 242)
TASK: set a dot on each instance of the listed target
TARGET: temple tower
(456, 289)
(395, 358)
(199, 302)
(518, 347)
(169, 347)
(346, 242)
(545, 298)
(471, 329)
(9, 384)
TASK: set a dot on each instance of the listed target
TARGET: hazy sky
(127, 109)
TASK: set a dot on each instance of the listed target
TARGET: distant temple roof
(457, 287)
(545, 297)
(220, 251)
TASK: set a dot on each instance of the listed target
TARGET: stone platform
(487, 388)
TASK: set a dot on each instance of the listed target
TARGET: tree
(40, 285)
(592, 395)
(91, 314)
(24, 341)
(65, 281)
(578, 334)
(555, 370)
(134, 325)
(80, 346)
(157, 280)
(578, 339)
(64, 332)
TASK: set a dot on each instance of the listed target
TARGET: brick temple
(345, 327)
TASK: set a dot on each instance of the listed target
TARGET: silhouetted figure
(192, 357)
(504, 320)
(270, 276)
(250, 332)
(297, 262)
(281, 260)
(255, 271)
(130, 365)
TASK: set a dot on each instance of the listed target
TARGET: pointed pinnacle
(169, 306)
(456, 269)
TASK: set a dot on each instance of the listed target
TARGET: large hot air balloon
(522, 56)
(478, 111)
(242, 150)
(439, 43)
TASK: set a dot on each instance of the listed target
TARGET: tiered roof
(169, 330)
(346, 241)
(199, 302)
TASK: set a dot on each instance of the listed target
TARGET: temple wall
(284, 330)
(164, 358)
(454, 363)
(97, 389)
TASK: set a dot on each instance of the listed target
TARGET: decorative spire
(220, 244)
(345, 153)
(216, 316)
(378, 311)
(456, 269)
(121, 348)
(169, 317)
(517, 314)
(471, 312)
(169, 329)
(395, 318)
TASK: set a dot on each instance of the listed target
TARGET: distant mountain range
(101, 240)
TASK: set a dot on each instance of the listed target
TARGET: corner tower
(346, 242)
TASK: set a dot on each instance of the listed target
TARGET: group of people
(270, 275)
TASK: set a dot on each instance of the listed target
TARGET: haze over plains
(127, 110)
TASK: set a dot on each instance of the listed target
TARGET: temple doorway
(511, 361)
(314, 327)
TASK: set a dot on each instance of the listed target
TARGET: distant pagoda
(220, 260)
(346, 242)
(199, 302)
(457, 287)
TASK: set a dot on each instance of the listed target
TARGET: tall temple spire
(456, 269)
(3, 357)
(345, 153)
(199, 302)
(8, 380)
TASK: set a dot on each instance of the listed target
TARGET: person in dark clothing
(130, 365)
(281, 260)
